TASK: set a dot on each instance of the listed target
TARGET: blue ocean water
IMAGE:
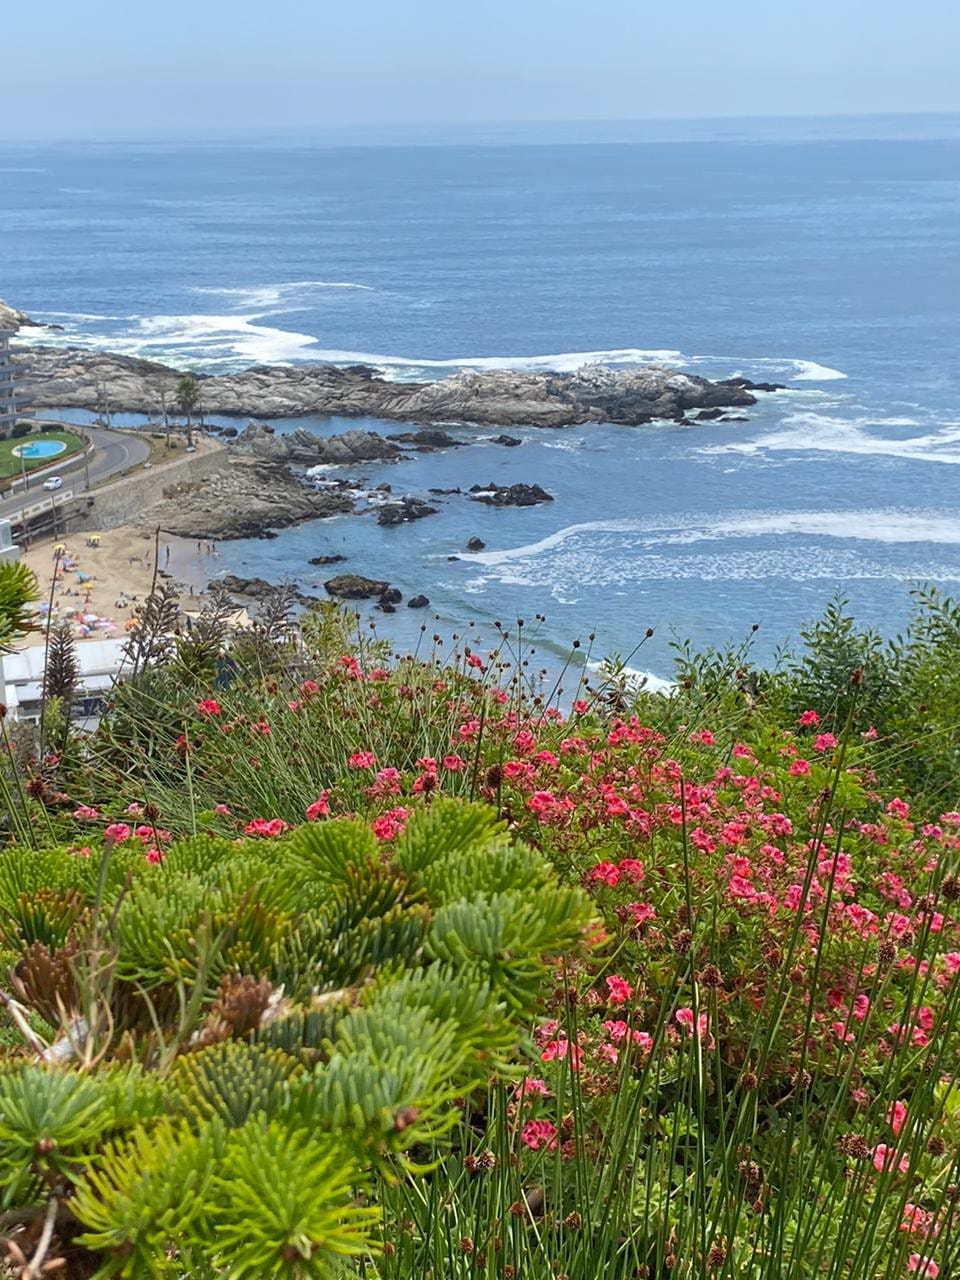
(825, 256)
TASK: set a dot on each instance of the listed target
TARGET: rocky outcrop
(428, 440)
(353, 586)
(242, 501)
(11, 318)
(255, 588)
(402, 512)
(509, 495)
(475, 544)
(56, 377)
(322, 560)
(306, 449)
(510, 441)
(417, 602)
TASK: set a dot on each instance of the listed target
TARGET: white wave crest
(878, 525)
(866, 435)
(810, 371)
(265, 297)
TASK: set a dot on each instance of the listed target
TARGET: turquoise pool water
(40, 449)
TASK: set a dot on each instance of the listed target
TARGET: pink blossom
(269, 828)
(824, 742)
(923, 1266)
(896, 1115)
(118, 832)
(390, 824)
(362, 760)
(209, 707)
(808, 719)
(85, 813)
(618, 989)
(320, 807)
(454, 763)
(885, 1157)
(539, 1133)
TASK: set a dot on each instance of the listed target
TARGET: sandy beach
(100, 580)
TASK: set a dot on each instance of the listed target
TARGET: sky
(118, 69)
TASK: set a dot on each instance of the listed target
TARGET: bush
(21, 429)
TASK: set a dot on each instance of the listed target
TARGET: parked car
(53, 482)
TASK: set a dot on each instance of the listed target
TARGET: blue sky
(122, 68)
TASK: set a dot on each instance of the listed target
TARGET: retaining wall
(121, 501)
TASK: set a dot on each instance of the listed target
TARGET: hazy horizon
(114, 71)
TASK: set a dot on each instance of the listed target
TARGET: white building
(100, 662)
(8, 548)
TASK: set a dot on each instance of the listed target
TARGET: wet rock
(353, 586)
(445, 491)
(428, 440)
(327, 559)
(386, 607)
(509, 495)
(391, 596)
(744, 384)
(417, 602)
(383, 488)
(306, 449)
(404, 511)
(510, 441)
(475, 544)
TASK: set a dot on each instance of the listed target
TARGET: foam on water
(279, 296)
(864, 434)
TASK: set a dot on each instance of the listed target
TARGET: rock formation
(67, 377)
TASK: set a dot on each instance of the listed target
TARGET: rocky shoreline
(67, 377)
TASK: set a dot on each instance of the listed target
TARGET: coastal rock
(475, 544)
(392, 595)
(511, 442)
(509, 495)
(242, 501)
(11, 318)
(327, 559)
(352, 586)
(428, 440)
(402, 512)
(417, 602)
(68, 377)
(305, 448)
(254, 588)
(741, 383)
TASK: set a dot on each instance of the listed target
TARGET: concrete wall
(124, 500)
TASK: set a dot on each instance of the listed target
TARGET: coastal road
(114, 452)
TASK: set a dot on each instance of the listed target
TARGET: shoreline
(104, 578)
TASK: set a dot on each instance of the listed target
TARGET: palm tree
(188, 395)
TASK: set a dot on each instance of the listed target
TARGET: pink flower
(808, 719)
(269, 828)
(618, 989)
(539, 1133)
(474, 661)
(896, 1115)
(134, 810)
(631, 870)
(117, 832)
(362, 760)
(603, 873)
(580, 707)
(208, 707)
(562, 1049)
(923, 1266)
(153, 855)
(685, 1018)
(454, 763)
(704, 736)
(222, 809)
(824, 742)
(320, 807)
(390, 824)
(884, 1157)
(84, 813)
(898, 808)
(799, 768)
(524, 742)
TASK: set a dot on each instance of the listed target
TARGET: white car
(53, 482)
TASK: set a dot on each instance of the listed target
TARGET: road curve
(114, 451)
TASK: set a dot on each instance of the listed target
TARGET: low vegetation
(325, 963)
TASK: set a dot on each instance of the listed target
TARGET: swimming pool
(40, 449)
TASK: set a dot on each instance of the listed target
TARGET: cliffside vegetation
(322, 963)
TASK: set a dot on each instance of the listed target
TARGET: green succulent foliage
(396, 984)
(445, 832)
(144, 1196)
(52, 1121)
(233, 1081)
(281, 1204)
(505, 935)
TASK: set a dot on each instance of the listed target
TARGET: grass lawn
(12, 465)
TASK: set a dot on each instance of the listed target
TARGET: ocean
(822, 254)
